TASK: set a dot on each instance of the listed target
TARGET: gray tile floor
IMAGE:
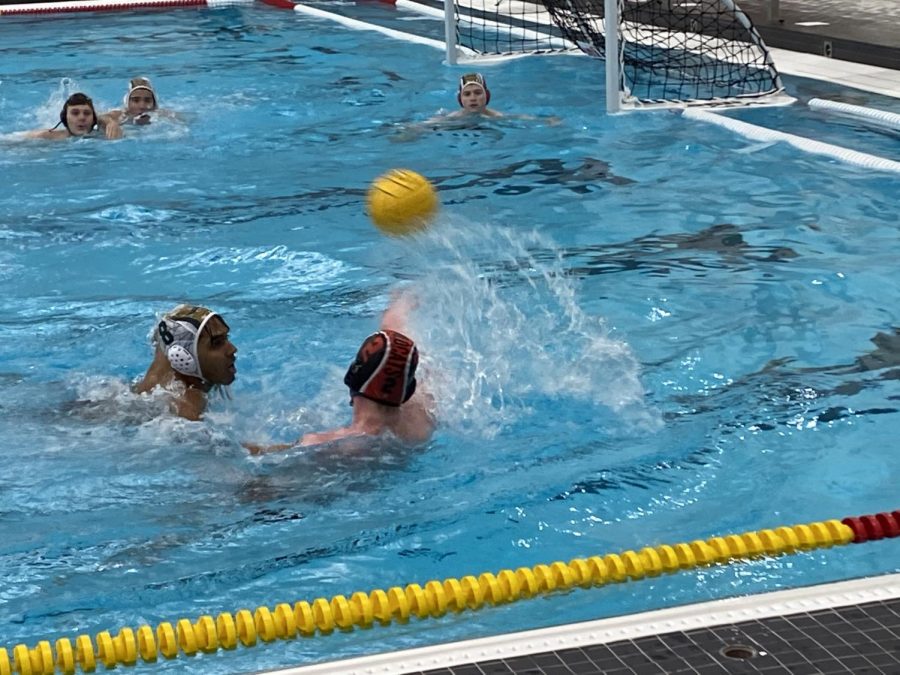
(864, 31)
(858, 639)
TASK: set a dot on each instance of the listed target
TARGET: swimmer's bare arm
(110, 126)
(550, 120)
(462, 114)
(419, 421)
(305, 440)
(257, 449)
(396, 316)
(110, 117)
(456, 114)
(410, 132)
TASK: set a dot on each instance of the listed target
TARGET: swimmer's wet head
(140, 98)
(196, 344)
(473, 94)
(78, 115)
(384, 369)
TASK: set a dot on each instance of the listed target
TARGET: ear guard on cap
(179, 333)
(384, 370)
(473, 78)
(182, 360)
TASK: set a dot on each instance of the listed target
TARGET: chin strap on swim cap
(179, 333)
(384, 370)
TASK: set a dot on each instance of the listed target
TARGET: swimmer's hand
(142, 119)
(256, 449)
(113, 130)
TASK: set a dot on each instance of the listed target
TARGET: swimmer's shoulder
(45, 134)
(191, 404)
(331, 436)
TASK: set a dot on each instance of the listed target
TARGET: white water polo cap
(178, 334)
(138, 83)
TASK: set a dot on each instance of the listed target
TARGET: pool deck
(862, 31)
(846, 627)
(853, 43)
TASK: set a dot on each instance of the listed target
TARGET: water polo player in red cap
(384, 392)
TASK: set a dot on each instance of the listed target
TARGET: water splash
(47, 115)
(502, 329)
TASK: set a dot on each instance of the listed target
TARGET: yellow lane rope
(434, 599)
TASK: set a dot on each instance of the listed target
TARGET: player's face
(473, 97)
(217, 353)
(80, 119)
(140, 101)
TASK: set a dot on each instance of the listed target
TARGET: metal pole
(450, 31)
(611, 38)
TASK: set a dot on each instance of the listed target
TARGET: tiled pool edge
(884, 81)
(604, 631)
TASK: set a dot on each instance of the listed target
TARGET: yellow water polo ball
(401, 202)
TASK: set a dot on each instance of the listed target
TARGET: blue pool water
(640, 330)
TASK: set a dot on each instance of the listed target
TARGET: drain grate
(740, 652)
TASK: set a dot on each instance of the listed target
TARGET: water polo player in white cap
(193, 354)
(384, 392)
(140, 104)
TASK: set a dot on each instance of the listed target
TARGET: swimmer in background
(139, 102)
(473, 97)
(79, 118)
(384, 392)
(192, 355)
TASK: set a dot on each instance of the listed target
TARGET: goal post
(613, 73)
(658, 53)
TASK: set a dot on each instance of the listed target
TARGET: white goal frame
(618, 96)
